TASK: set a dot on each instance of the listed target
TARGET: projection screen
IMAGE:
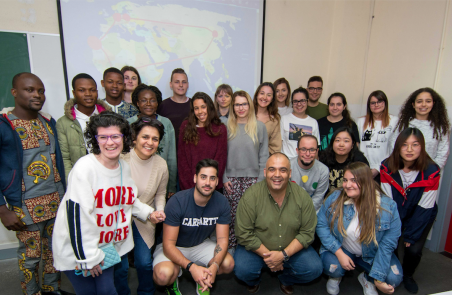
(214, 41)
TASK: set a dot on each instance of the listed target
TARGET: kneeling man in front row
(191, 217)
(275, 224)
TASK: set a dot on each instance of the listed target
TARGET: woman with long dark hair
(338, 117)
(266, 110)
(425, 110)
(411, 178)
(202, 136)
(341, 151)
(360, 226)
(100, 187)
(375, 129)
(282, 88)
(131, 80)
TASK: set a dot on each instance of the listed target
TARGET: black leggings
(412, 255)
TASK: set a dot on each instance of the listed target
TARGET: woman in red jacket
(201, 136)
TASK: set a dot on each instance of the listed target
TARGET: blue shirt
(196, 223)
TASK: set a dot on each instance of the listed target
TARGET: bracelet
(218, 267)
(188, 266)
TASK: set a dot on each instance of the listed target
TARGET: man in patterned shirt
(32, 181)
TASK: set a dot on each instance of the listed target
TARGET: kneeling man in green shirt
(275, 224)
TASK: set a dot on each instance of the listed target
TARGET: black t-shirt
(327, 129)
(196, 223)
(337, 169)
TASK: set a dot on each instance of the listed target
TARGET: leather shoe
(253, 289)
(286, 289)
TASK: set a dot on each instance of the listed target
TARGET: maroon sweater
(208, 147)
(176, 112)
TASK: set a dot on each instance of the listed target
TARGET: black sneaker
(410, 285)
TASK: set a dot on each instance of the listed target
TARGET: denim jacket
(388, 231)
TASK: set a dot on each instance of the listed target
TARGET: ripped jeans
(332, 267)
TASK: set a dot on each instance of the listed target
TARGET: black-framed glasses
(312, 89)
(305, 150)
(301, 101)
(117, 138)
(374, 103)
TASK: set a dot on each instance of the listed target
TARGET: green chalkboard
(13, 59)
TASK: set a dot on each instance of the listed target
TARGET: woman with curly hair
(150, 173)
(374, 129)
(223, 96)
(338, 117)
(97, 210)
(282, 88)
(360, 226)
(147, 98)
(341, 151)
(411, 178)
(425, 110)
(247, 153)
(266, 111)
(131, 80)
(202, 136)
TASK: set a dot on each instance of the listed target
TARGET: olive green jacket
(70, 135)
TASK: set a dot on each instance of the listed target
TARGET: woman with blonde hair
(267, 112)
(359, 225)
(223, 96)
(247, 153)
(282, 88)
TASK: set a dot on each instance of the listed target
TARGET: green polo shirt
(260, 220)
(318, 112)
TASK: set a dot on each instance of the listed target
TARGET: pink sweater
(208, 147)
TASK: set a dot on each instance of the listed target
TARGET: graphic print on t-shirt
(367, 135)
(325, 140)
(296, 131)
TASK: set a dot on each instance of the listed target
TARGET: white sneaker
(332, 286)
(368, 287)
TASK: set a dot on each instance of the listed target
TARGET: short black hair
(144, 121)
(17, 76)
(315, 79)
(112, 70)
(82, 76)
(300, 90)
(206, 163)
(107, 119)
(142, 87)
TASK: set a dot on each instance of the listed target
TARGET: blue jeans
(143, 264)
(121, 276)
(302, 267)
(329, 259)
(99, 285)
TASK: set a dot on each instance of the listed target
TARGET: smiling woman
(202, 136)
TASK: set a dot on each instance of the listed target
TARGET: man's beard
(305, 163)
(202, 193)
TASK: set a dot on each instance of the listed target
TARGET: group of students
(125, 156)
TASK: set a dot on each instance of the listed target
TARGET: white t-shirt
(408, 177)
(292, 128)
(82, 120)
(351, 241)
(375, 142)
(285, 110)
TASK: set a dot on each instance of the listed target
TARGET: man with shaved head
(275, 224)
(32, 181)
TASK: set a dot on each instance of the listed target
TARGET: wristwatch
(286, 257)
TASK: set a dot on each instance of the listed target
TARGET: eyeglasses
(238, 105)
(413, 146)
(374, 103)
(301, 101)
(117, 138)
(305, 150)
(147, 101)
(313, 89)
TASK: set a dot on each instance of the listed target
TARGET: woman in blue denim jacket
(358, 225)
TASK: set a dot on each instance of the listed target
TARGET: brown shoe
(253, 289)
(286, 289)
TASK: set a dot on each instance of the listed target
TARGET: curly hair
(142, 87)
(191, 131)
(345, 113)
(328, 156)
(146, 121)
(272, 108)
(108, 119)
(438, 117)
